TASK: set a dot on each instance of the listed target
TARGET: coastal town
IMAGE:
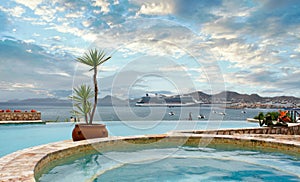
(232, 100)
(236, 100)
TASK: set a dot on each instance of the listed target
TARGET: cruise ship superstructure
(161, 100)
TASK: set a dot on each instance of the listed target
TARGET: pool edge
(26, 164)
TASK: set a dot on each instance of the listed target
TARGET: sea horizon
(62, 113)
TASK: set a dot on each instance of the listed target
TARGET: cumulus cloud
(53, 72)
(156, 8)
(15, 12)
(103, 4)
(46, 13)
(32, 4)
(249, 43)
(14, 86)
(34, 70)
(74, 15)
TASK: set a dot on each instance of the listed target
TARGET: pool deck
(22, 122)
(24, 165)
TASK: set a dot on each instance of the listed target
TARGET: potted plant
(83, 96)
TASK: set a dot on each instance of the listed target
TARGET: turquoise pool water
(179, 164)
(16, 137)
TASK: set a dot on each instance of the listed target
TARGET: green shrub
(261, 115)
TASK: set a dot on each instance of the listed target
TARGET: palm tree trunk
(96, 95)
(86, 118)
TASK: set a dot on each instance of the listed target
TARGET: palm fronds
(93, 58)
(81, 98)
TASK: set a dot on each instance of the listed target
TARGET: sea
(63, 113)
(120, 121)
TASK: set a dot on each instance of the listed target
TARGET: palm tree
(94, 58)
(82, 97)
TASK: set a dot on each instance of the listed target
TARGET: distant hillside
(41, 101)
(200, 96)
(290, 99)
(106, 101)
(234, 97)
(111, 101)
(226, 96)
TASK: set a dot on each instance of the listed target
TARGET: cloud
(3, 19)
(251, 43)
(86, 23)
(56, 38)
(21, 90)
(32, 4)
(65, 28)
(74, 15)
(62, 94)
(254, 43)
(264, 81)
(154, 37)
(191, 7)
(15, 12)
(156, 8)
(103, 4)
(35, 70)
(279, 4)
(15, 86)
(104, 68)
(177, 68)
(58, 73)
(45, 13)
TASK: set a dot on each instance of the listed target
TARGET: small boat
(222, 113)
(200, 116)
(171, 113)
(252, 120)
(243, 112)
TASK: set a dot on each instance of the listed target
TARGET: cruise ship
(161, 100)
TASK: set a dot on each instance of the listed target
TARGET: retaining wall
(19, 116)
(294, 129)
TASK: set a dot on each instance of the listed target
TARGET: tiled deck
(27, 164)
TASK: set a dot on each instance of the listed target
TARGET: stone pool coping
(24, 165)
(22, 122)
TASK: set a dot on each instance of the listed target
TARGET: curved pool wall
(162, 141)
(30, 163)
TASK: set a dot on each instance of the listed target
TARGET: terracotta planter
(85, 131)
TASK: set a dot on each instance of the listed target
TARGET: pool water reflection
(179, 164)
(16, 137)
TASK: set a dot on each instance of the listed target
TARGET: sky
(166, 47)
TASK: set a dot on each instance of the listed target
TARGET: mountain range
(226, 96)
(234, 97)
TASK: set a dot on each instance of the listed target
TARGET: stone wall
(291, 130)
(19, 116)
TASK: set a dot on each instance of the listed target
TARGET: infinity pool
(178, 164)
(16, 137)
